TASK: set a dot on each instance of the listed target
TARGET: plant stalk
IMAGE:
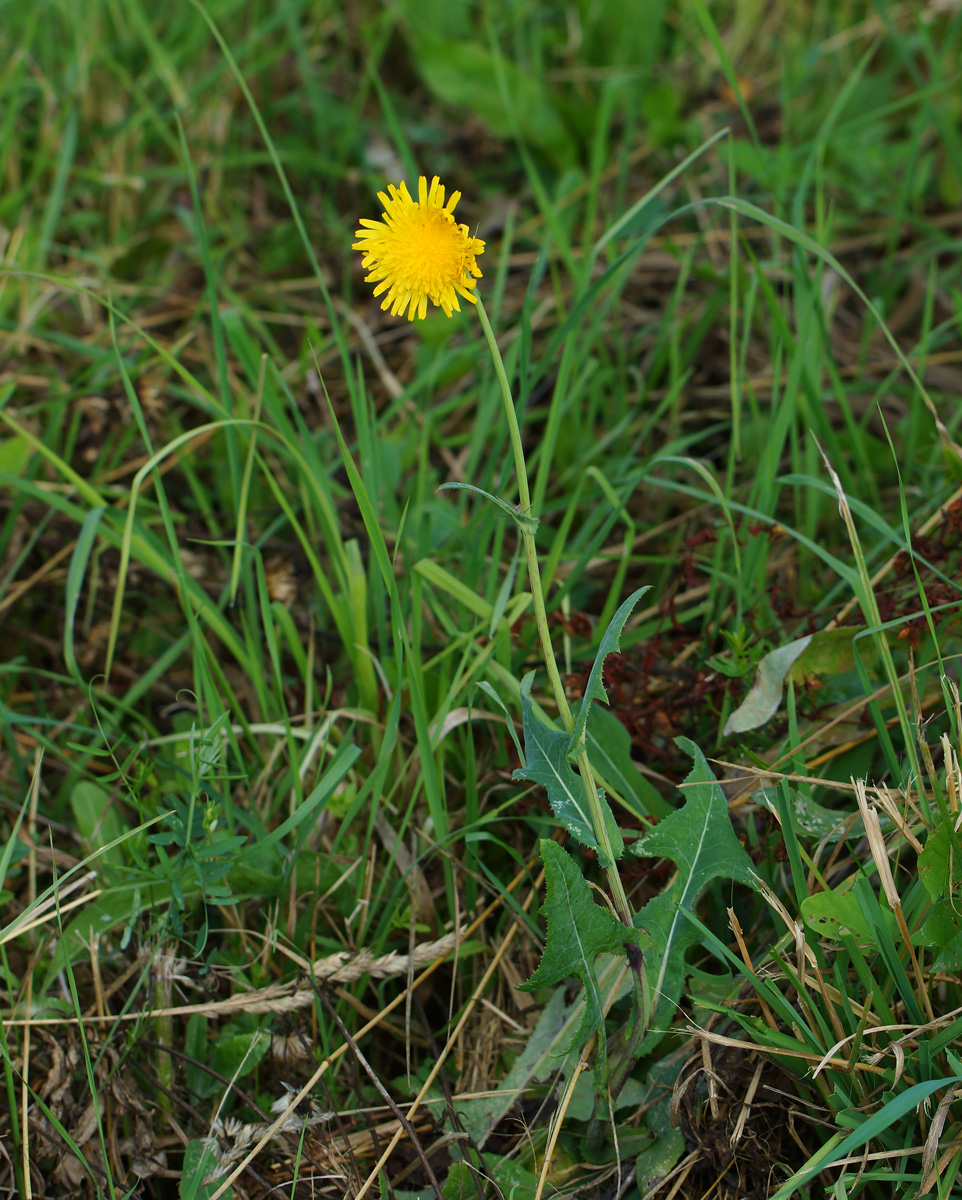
(541, 620)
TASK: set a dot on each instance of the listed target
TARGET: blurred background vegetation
(242, 635)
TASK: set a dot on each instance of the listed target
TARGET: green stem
(544, 634)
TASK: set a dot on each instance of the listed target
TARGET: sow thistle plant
(419, 253)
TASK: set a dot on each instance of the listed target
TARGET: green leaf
(940, 863)
(578, 931)
(611, 41)
(468, 75)
(584, 1100)
(668, 1142)
(525, 523)
(700, 840)
(114, 906)
(594, 689)
(505, 592)
(75, 578)
(459, 1183)
(200, 1082)
(199, 1162)
(440, 16)
(240, 1053)
(835, 913)
(98, 823)
(15, 454)
(942, 924)
(546, 763)
(314, 804)
(942, 928)
(489, 691)
(514, 1180)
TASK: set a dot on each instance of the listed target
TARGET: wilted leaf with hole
(762, 702)
(813, 819)
(826, 654)
(836, 912)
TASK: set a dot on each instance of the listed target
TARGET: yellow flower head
(418, 252)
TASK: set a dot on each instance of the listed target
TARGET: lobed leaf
(578, 931)
(594, 689)
(700, 840)
(546, 763)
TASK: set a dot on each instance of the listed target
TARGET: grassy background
(242, 633)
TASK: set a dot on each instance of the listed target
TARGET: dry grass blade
(873, 832)
(325, 1065)
(474, 999)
